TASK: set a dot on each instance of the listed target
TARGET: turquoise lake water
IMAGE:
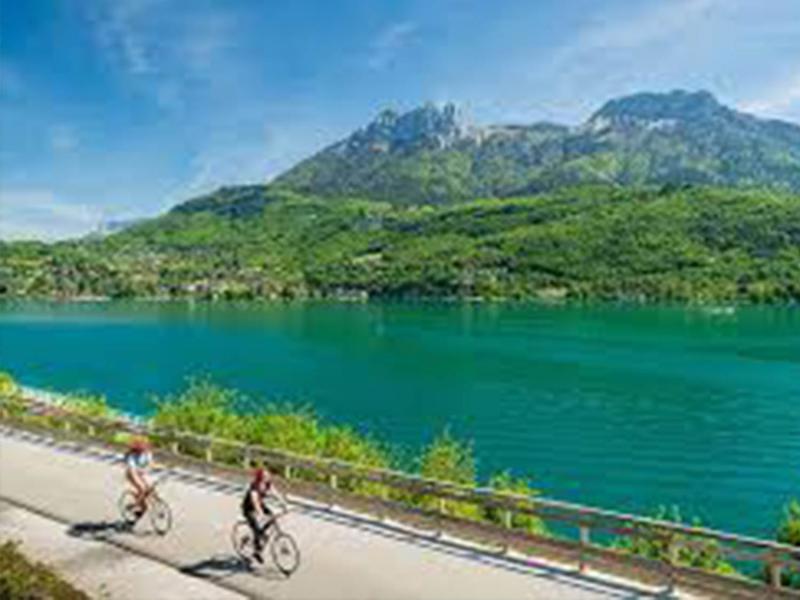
(622, 407)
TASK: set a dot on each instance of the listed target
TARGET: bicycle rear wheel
(128, 507)
(242, 540)
(285, 552)
(160, 516)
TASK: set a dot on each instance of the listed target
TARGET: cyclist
(255, 509)
(137, 459)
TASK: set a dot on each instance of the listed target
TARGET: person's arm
(280, 497)
(255, 499)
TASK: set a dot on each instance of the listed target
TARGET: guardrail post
(175, 447)
(507, 519)
(246, 457)
(287, 471)
(585, 538)
(672, 560)
(334, 481)
(775, 574)
(209, 452)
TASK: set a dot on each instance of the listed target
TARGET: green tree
(448, 459)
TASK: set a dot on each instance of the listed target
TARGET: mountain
(432, 155)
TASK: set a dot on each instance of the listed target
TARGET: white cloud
(161, 48)
(119, 32)
(39, 214)
(782, 100)
(644, 46)
(657, 23)
(389, 43)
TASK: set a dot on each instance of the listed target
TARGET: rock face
(425, 128)
(430, 155)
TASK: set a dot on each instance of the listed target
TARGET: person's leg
(270, 519)
(258, 542)
(138, 492)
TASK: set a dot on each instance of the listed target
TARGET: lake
(621, 407)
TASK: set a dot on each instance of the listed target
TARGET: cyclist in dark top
(255, 509)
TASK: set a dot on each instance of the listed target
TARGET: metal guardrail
(772, 558)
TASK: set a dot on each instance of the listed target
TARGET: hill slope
(429, 155)
(690, 244)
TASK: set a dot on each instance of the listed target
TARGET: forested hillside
(669, 243)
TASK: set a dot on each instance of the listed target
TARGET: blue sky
(112, 109)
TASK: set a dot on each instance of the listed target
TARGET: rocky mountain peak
(429, 126)
(672, 107)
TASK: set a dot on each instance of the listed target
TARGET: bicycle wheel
(127, 507)
(160, 515)
(242, 539)
(285, 552)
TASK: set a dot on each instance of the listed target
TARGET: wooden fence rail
(398, 491)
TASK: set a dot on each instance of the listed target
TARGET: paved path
(99, 569)
(342, 557)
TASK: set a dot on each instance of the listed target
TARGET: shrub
(451, 460)
(204, 408)
(285, 428)
(8, 387)
(655, 544)
(448, 459)
(789, 528)
(506, 482)
(789, 533)
(88, 405)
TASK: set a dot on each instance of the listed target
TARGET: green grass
(23, 579)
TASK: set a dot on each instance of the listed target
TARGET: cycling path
(342, 556)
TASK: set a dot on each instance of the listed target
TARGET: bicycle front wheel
(285, 553)
(160, 516)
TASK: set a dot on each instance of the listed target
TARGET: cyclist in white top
(138, 459)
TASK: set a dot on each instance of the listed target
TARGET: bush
(451, 460)
(789, 528)
(21, 579)
(8, 387)
(655, 544)
(285, 428)
(506, 482)
(789, 533)
(448, 459)
(88, 405)
(203, 408)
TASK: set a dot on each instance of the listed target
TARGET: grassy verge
(22, 579)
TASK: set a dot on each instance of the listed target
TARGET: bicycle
(282, 546)
(159, 511)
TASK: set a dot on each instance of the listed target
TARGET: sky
(119, 109)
